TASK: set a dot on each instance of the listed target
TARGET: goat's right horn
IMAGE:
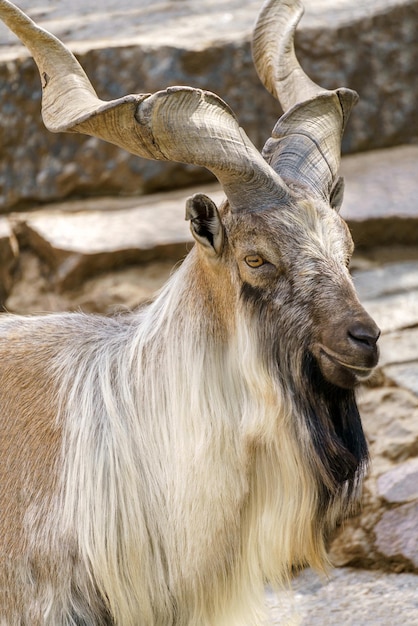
(305, 147)
(178, 124)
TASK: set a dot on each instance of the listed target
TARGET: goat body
(151, 464)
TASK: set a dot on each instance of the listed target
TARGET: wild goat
(158, 468)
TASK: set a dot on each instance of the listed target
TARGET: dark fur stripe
(338, 454)
(337, 434)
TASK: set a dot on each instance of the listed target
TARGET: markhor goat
(158, 468)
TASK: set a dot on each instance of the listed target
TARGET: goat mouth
(338, 370)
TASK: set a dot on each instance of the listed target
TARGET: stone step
(380, 198)
(351, 597)
(8, 257)
(80, 238)
(142, 47)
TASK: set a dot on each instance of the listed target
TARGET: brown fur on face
(302, 300)
(306, 250)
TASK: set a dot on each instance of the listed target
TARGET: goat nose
(364, 334)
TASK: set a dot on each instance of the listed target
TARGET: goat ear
(337, 194)
(205, 223)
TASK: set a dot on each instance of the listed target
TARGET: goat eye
(254, 260)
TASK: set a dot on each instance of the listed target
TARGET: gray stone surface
(387, 279)
(350, 597)
(390, 419)
(396, 311)
(381, 197)
(371, 47)
(384, 533)
(400, 484)
(78, 238)
(396, 533)
(404, 375)
(390, 295)
(399, 347)
(148, 21)
(8, 256)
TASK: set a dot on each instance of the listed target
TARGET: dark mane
(334, 423)
(338, 451)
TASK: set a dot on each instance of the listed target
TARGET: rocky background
(86, 226)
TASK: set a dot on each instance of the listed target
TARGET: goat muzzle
(347, 352)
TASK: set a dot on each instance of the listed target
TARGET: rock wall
(373, 50)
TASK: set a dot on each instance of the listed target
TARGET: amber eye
(254, 260)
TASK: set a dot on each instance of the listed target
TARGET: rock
(404, 375)
(380, 199)
(390, 294)
(350, 597)
(371, 47)
(109, 292)
(396, 535)
(79, 240)
(394, 312)
(8, 255)
(390, 420)
(389, 278)
(399, 484)
(399, 347)
(397, 316)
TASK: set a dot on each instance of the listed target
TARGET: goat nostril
(366, 335)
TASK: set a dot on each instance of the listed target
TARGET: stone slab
(369, 46)
(399, 348)
(394, 312)
(369, 178)
(399, 357)
(390, 295)
(8, 256)
(390, 420)
(350, 597)
(396, 533)
(79, 243)
(404, 375)
(133, 22)
(387, 279)
(380, 200)
(80, 237)
(399, 484)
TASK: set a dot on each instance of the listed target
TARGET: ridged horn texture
(178, 124)
(305, 146)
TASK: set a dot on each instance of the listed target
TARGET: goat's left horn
(178, 124)
(305, 146)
